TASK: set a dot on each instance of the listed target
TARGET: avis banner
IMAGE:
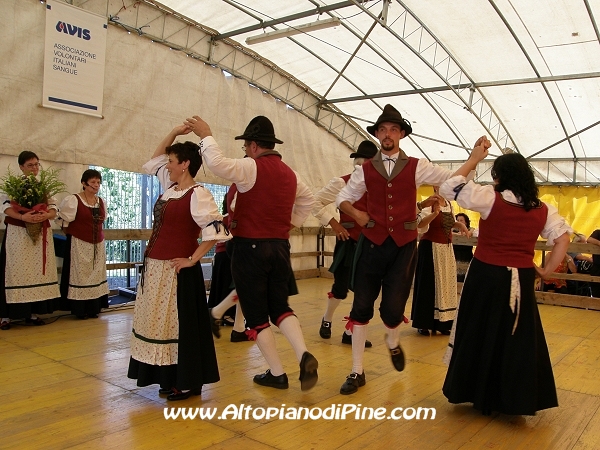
(74, 57)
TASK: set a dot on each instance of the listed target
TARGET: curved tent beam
(537, 73)
(485, 109)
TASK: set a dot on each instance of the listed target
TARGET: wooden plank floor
(65, 386)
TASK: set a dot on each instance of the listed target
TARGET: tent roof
(525, 75)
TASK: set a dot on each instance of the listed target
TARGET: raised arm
(179, 130)
(479, 153)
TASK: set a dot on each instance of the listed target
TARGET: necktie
(391, 163)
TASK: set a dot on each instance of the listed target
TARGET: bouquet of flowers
(28, 193)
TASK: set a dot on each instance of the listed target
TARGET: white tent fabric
(496, 46)
(528, 77)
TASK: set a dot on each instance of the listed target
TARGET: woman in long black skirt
(171, 343)
(498, 357)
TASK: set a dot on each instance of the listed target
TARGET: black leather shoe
(180, 395)
(269, 380)
(5, 326)
(214, 324)
(165, 391)
(238, 336)
(397, 358)
(347, 339)
(325, 330)
(308, 371)
(37, 321)
(445, 332)
(423, 332)
(353, 382)
(93, 316)
(81, 317)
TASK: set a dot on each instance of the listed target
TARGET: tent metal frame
(163, 25)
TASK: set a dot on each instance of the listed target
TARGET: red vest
(265, 211)
(84, 227)
(391, 204)
(361, 205)
(174, 231)
(508, 236)
(436, 232)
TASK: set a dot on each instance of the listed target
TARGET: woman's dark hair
(25, 156)
(512, 172)
(90, 174)
(187, 151)
(467, 220)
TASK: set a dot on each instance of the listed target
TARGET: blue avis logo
(73, 30)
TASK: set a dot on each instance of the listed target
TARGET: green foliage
(28, 191)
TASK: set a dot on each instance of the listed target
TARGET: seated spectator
(559, 285)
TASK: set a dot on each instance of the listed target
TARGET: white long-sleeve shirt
(426, 173)
(243, 173)
(481, 199)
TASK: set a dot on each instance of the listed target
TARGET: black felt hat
(366, 149)
(260, 129)
(391, 114)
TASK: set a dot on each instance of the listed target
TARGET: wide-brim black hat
(366, 149)
(391, 114)
(260, 129)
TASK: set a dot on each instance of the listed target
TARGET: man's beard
(388, 145)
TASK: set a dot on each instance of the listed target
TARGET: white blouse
(481, 199)
(202, 206)
(67, 210)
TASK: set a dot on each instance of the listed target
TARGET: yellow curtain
(580, 206)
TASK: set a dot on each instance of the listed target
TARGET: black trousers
(386, 268)
(343, 256)
(261, 271)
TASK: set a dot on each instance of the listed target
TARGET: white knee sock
(359, 336)
(290, 327)
(239, 324)
(5, 319)
(225, 304)
(392, 337)
(332, 304)
(266, 344)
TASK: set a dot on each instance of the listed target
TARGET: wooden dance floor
(64, 386)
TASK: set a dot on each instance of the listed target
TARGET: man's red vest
(265, 211)
(391, 204)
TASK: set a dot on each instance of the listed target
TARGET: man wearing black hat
(271, 199)
(347, 231)
(387, 250)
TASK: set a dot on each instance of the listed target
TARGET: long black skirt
(423, 303)
(197, 359)
(491, 367)
(77, 307)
